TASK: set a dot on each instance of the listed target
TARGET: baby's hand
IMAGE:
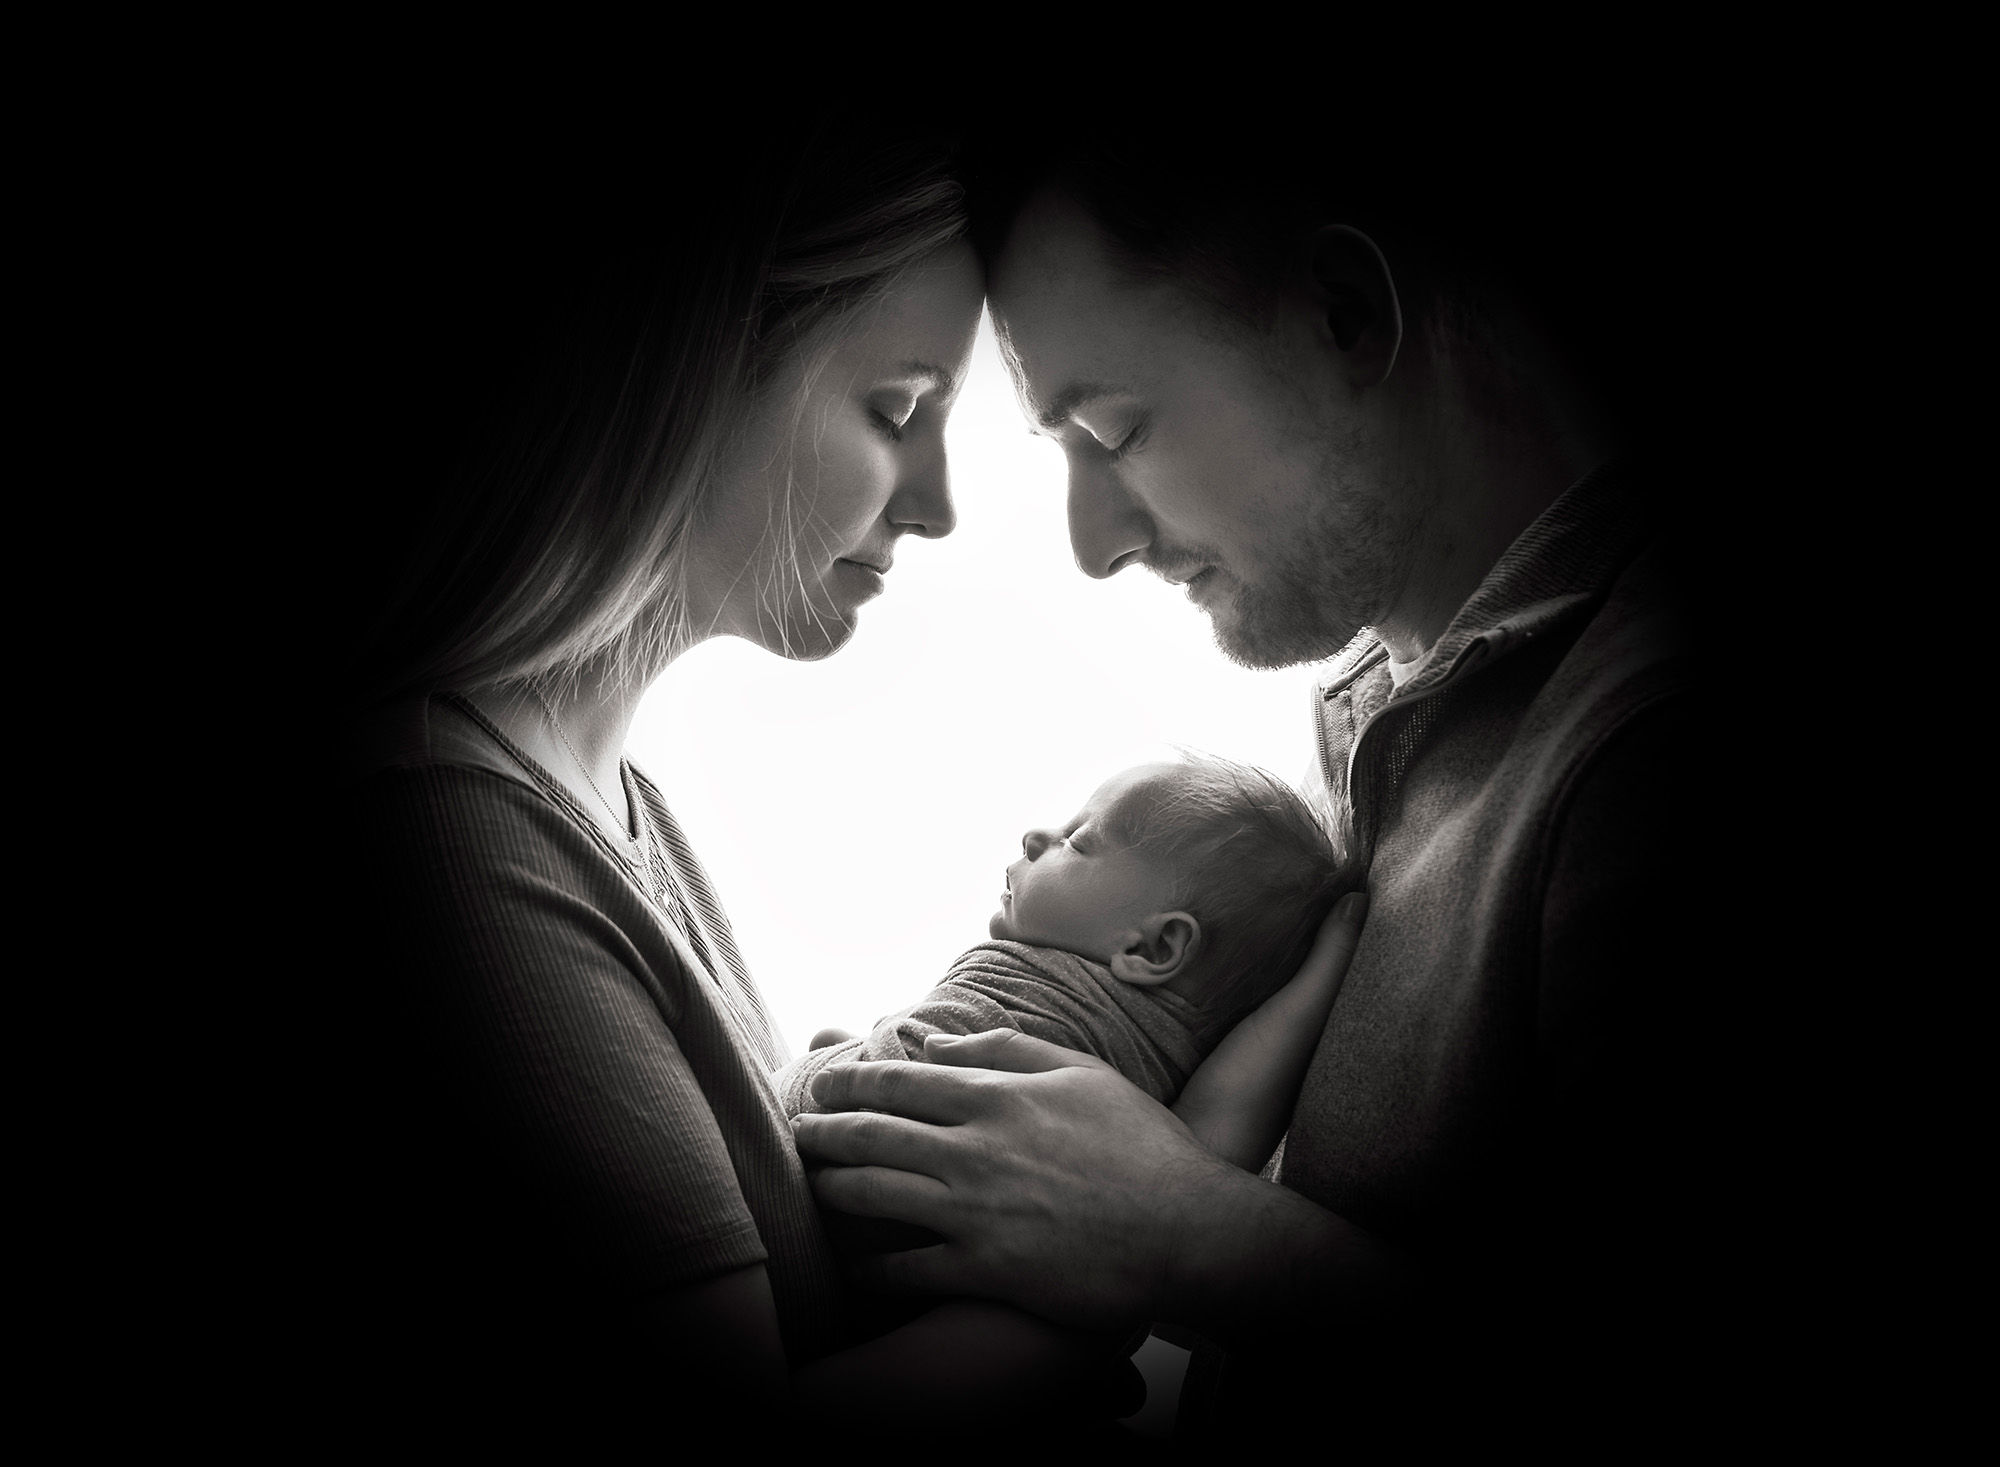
(827, 1038)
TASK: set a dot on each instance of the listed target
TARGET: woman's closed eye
(891, 414)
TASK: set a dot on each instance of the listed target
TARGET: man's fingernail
(1354, 904)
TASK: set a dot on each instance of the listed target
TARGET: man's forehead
(1053, 245)
(1074, 324)
(1053, 293)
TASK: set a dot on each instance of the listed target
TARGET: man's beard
(1341, 575)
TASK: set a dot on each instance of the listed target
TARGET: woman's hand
(1062, 1188)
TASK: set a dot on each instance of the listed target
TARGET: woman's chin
(811, 641)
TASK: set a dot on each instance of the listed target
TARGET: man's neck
(1491, 477)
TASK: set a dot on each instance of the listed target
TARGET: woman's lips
(868, 576)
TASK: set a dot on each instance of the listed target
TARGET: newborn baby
(1177, 900)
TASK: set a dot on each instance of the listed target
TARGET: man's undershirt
(1402, 672)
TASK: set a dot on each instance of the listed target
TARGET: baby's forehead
(1123, 802)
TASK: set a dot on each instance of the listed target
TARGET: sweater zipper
(1361, 734)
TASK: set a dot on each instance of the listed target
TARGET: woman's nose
(1106, 528)
(922, 502)
(1035, 842)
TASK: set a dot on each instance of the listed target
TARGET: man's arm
(1062, 1188)
(1240, 1100)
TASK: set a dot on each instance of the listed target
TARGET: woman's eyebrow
(1076, 395)
(941, 381)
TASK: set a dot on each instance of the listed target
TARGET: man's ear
(1163, 946)
(1357, 297)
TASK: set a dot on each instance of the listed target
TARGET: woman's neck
(576, 732)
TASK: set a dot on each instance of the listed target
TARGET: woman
(627, 432)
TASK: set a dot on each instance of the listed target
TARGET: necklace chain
(665, 888)
(556, 724)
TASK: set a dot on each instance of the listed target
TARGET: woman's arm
(720, 1339)
(538, 1008)
(1240, 1100)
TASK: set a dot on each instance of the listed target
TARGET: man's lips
(1185, 574)
(1195, 583)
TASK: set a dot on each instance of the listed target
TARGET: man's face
(1228, 456)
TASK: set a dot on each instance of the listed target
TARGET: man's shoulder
(1641, 640)
(1609, 598)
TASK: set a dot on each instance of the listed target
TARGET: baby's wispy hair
(1254, 865)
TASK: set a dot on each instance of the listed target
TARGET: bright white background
(857, 814)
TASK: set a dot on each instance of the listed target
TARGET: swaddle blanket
(1146, 1034)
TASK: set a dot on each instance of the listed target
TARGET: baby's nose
(1034, 843)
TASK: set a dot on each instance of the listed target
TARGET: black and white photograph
(1021, 786)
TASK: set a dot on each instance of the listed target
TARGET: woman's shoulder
(432, 779)
(428, 733)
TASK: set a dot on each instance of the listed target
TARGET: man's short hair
(1569, 221)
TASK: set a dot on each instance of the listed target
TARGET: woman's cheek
(857, 477)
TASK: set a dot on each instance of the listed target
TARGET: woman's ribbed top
(591, 1009)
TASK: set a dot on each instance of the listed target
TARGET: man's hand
(1060, 1187)
(1057, 1184)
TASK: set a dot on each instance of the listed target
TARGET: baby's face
(1079, 887)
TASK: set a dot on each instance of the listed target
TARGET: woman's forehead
(928, 318)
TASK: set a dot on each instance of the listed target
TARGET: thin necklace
(556, 724)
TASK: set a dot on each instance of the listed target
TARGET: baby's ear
(1163, 946)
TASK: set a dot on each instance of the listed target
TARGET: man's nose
(922, 503)
(1035, 842)
(1106, 528)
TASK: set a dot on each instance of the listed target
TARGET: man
(1350, 431)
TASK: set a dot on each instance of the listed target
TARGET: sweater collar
(1559, 567)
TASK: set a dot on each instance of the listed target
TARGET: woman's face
(844, 457)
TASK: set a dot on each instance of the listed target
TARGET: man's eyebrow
(1072, 397)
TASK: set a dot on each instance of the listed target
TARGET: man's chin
(1264, 641)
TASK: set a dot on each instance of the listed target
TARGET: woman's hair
(1251, 862)
(566, 350)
